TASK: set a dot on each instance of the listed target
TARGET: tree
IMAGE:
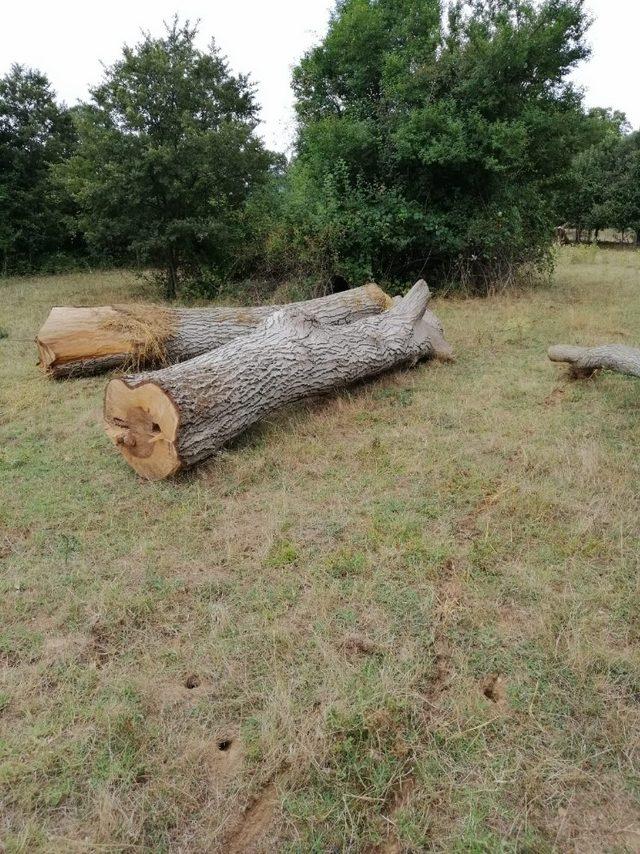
(35, 134)
(168, 157)
(605, 184)
(579, 194)
(621, 199)
(436, 145)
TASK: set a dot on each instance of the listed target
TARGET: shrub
(428, 147)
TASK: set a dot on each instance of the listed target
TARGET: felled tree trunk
(75, 342)
(584, 361)
(170, 419)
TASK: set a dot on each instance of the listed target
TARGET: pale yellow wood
(142, 422)
(73, 333)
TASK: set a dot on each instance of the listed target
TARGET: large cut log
(79, 341)
(162, 421)
(584, 361)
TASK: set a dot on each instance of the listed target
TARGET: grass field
(404, 617)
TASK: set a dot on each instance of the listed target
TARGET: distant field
(404, 617)
(608, 236)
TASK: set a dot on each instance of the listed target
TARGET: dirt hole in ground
(355, 643)
(99, 643)
(225, 744)
(493, 688)
(192, 681)
(555, 396)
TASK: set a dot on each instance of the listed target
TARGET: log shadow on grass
(390, 384)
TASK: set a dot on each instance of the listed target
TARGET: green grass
(408, 612)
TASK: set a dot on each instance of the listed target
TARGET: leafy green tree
(626, 189)
(431, 143)
(35, 134)
(168, 158)
(604, 184)
(580, 192)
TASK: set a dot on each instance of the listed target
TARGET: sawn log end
(142, 422)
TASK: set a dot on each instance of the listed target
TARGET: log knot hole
(127, 439)
(141, 420)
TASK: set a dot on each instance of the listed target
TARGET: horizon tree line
(433, 138)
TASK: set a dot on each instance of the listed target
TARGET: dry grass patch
(402, 617)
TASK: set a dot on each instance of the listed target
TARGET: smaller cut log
(80, 341)
(584, 361)
(163, 421)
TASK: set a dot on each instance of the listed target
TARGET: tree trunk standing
(171, 419)
(77, 341)
(584, 361)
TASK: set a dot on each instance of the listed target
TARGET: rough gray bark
(78, 341)
(173, 418)
(584, 361)
(200, 330)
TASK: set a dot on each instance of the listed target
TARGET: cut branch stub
(170, 419)
(584, 361)
(77, 341)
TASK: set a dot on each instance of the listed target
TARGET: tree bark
(166, 420)
(77, 341)
(584, 361)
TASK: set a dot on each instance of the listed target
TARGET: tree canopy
(168, 157)
(434, 142)
(434, 137)
(35, 133)
(603, 183)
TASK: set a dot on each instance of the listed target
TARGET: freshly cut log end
(71, 334)
(164, 420)
(585, 361)
(143, 423)
(80, 341)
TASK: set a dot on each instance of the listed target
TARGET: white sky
(68, 40)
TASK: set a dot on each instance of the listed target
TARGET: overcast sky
(68, 40)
